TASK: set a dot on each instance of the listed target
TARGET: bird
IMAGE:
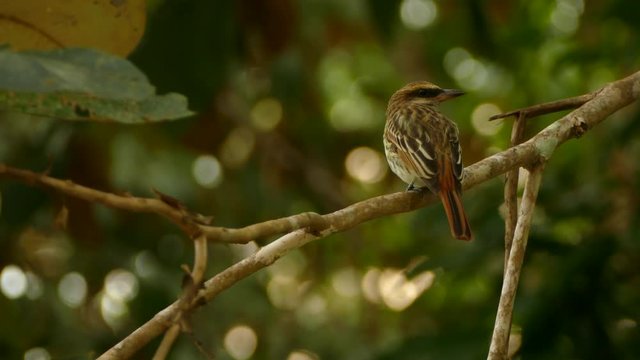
(422, 148)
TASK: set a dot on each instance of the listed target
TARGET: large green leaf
(82, 84)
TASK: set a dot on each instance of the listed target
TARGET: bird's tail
(454, 209)
(450, 194)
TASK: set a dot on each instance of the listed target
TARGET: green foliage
(81, 84)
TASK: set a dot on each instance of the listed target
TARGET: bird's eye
(429, 92)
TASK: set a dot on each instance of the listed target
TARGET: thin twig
(500, 339)
(169, 338)
(195, 281)
(124, 202)
(511, 190)
(548, 108)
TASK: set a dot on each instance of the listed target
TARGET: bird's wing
(415, 149)
(456, 152)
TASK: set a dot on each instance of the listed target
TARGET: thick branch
(539, 148)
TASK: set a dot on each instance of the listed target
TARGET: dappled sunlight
(145, 264)
(284, 291)
(240, 342)
(121, 284)
(266, 114)
(13, 282)
(345, 282)
(480, 119)
(565, 17)
(398, 292)
(353, 112)
(237, 147)
(114, 311)
(37, 353)
(392, 288)
(342, 75)
(35, 286)
(366, 165)
(314, 310)
(418, 14)
(475, 74)
(302, 355)
(207, 171)
(72, 289)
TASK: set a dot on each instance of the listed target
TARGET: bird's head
(424, 93)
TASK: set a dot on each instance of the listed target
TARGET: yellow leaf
(114, 26)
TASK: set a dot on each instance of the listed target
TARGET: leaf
(115, 26)
(82, 84)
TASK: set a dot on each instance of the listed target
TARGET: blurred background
(290, 99)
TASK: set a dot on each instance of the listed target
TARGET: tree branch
(195, 281)
(547, 108)
(500, 339)
(511, 190)
(530, 153)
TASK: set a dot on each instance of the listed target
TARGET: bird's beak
(449, 94)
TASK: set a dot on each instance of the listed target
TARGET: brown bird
(422, 148)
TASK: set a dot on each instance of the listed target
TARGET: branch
(535, 151)
(511, 190)
(500, 339)
(547, 108)
(163, 207)
(195, 281)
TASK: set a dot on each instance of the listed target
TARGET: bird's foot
(413, 188)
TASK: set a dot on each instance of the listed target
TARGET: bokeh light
(398, 292)
(345, 282)
(121, 284)
(313, 311)
(241, 342)
(35, 288)
(418, 14)
(13, 282)
(237, 147)
(353, 112)
(341, 75)
(145, 264)
(302, 355)
(266, 114)
(565, 17)
(366, 165)
(369, 285)
(37, 353)
(480, 119)
(474, 74)
(72, 289)
(283, 289)
(113, 310)
(207, 171)
(283, 292)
